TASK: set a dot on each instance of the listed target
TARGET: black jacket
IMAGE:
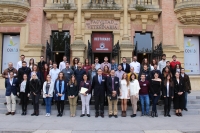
(186, 80)
(179, 87)
(155, 87)
(171, 90)
(147, 73)
(127, 70)
(41, 65)
(35, 86)
(109, 85)
(72, 89)
(23, 71)
(99, 88)
(155, 71)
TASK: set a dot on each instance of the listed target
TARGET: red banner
(102, 42)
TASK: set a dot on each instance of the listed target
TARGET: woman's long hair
(70, 81)
(165, 73)
(106, 72)
(171, 83)
(128, 82)
(35, 76)
(63, 78)
(74, 61)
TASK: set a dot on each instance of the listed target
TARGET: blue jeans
(186, 94)
(154, 103)
(48, 104)
(144, 99)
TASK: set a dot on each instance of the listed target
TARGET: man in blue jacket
(11, 85)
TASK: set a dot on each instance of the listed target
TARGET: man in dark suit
(99, 86)
(113, 92)
(24, 70)
(125, 66)
(188, 89)
(11, 85)
(155, 70)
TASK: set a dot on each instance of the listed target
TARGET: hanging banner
(102, 42)
(11, 45)
(191, 55)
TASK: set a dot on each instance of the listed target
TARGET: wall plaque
(102, 24)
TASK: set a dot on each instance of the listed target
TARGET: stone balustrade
(60, 4)
(180, 4)
(147, 4)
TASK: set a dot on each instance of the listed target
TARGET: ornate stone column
(126, 46)
(78, 46)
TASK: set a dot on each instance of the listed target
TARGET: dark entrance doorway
(58, 57)
(59, 46)
(141, 56)
(144, 46)
(101, 57)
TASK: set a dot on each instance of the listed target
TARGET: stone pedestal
(126, 50)
(78, 50)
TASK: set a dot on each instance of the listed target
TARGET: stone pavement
(66, 124)
(189, 123)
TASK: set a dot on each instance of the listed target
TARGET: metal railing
(102, 1)
(60, 1)
(144, 2)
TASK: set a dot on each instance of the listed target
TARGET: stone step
(92, 112)
(189, 106)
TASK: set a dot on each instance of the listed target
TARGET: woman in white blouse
(134, 88)
(24, 93)
(124, 93)
(48, 88)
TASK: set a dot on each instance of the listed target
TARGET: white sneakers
(47, 114)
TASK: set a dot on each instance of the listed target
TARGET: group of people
(107, 82)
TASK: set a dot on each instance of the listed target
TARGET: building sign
(10, 50)
(191, 55)
(102, 24)
(102, 42)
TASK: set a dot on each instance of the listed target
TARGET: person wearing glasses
(35, 90)
(48, 88)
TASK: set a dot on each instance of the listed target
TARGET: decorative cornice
(144, 16)
(60, 15)
(189, 15)
(13, 11)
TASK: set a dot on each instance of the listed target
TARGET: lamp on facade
(57, 53)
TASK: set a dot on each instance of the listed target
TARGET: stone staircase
(193, 107)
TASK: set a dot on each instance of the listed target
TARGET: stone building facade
(116, 22)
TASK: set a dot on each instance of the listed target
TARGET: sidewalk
(189, 124)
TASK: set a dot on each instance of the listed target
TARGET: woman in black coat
(168, 94)
(24, 93)
(179, 91)
(35, 90)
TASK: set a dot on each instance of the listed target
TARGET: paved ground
(66, 124)
(189, 124)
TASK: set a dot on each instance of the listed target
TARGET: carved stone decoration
(59, 15)
(144, 16)
(188, 17)
(188, 12)
(13, 12)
